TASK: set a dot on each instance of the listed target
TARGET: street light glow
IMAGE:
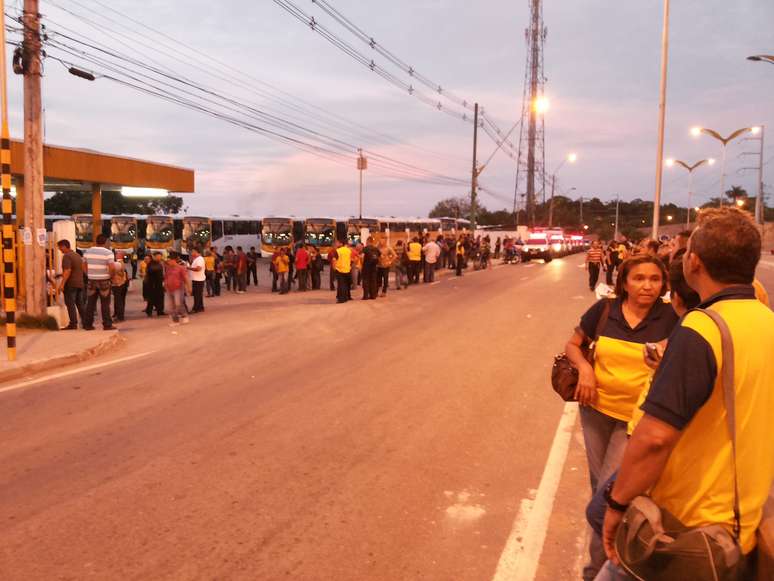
(670, 162)
(739, 202)
(755, 130)
(541, 105)
(572, 158)
(695, 131)
(129, 192)
(669, 218)
(711, 161)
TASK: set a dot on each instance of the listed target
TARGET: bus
(276, 233)
(159, 234)
(393, 230)
(359, 229)
(244, 231)
(123, 234)
(320, 233)
(197, 234)
(84, 230)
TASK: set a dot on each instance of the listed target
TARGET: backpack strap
(729, 396)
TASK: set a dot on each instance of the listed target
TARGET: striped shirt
(97, 259)
(594, 255)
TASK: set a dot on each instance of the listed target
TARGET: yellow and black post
(8, 228)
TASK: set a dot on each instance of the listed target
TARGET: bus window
(178, 229)
(229, 228)
(383, 226)
(217, 229)
(252, 228)
(242, 227)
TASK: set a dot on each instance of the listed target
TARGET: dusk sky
(602, 61)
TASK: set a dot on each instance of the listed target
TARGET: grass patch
(24, 321)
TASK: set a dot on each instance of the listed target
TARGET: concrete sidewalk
(38, 351)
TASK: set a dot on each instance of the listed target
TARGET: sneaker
(110, 328)
(70, 328)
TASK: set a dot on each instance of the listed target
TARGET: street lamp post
(572, 158)
(696, 131)
(690, 168)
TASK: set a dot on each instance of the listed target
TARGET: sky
(602, 61)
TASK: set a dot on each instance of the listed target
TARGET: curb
(107, 344)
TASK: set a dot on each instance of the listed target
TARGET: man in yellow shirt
(342, 264)
(415, 260)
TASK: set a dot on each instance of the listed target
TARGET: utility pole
(551, 205)
(617, 202)
(760, 217)
(8, 229)
(34, 225)
(474, 176)
(661, 121)
(362, 165)
(581, 211)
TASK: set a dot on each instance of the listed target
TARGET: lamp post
(671, 163)
(572, 158)
(765, 58)
(696, 131)
(661, 120)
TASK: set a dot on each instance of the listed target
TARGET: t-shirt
(302, 259)
(343, 257)
(198, 276)
(281, 263)
(74, 263)
(432, 252)
(174, 276)
(97, 259)
(118, 277)
(697, 484)
(415, 251)
(594, 255)
(371, 256)
(241, 262)
(209, 262)
(619, 365)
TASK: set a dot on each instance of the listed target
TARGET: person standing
(594, 258)
(432, 252)
(459, 254)
(497, 248)
(209, 272)
(119, 282)
(371, 257)
(175, 277)
(154, 275)
(302, 267)
(291, 266)
(198, 272)
(282, 267)
(342, 264)
(315, 267)
(98, 266)
(386, 261)
(252, 266)
(401, 266)
(143, 275)
(72, 283)
(229, 268)
(332, 269)
(241, 271)
(415, 259)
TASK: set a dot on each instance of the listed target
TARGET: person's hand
(653, 356)
(586, 391)
(609, 531)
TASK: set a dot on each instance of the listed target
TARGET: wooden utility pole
(34, 224)
(474, 176)
(661, 123)
(551, 205)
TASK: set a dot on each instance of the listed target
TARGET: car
(537, 247)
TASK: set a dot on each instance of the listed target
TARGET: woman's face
(643, 284)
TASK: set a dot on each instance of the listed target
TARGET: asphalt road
(294, 438)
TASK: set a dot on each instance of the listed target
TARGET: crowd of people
(652, 403)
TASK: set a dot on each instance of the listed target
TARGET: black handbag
(564, 375)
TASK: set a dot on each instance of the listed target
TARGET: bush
(24, 321)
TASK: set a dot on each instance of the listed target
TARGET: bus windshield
(123, 230)
(277, 233)
(159, 230)
(83, 229)
(197, 231)
(320, 234)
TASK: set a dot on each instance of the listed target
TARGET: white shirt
(198, 275)
(432, 252)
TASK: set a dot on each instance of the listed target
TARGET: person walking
(154, 276)
(175, 277)
(386, 261)
(282, 268)
(72, 283)
(401, 266)
(229, 268)
(252, 266)
(98, 266)
(332, 269)
(459, 253)
(146, 260)
(371, 255)
(209, 272)
(431, 251)
(302, 268)
(315, 267)
(216, 279)
(119, 283)
(198, 273)
(342, 264)
(273, 270)
(497, 248)
(241, 271)
(594, 258)
(415, 259)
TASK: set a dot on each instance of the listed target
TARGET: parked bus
(84, 230)
(393, 230)
(123, 234)
(276, 233)
(197, 234)
(159, 234)
(244, 231)
(320, 233)
(359, 229)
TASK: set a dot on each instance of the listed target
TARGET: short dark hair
(728, 243)
(685, 234)
(630, 263)
(679, 286)
(654, 245)
(63, 243)
(101, 239)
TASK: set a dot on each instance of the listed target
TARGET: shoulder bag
(652, 544)
(564, 375)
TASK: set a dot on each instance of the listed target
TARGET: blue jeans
(610, 572)
(597, 507)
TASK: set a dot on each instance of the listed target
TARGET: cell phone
(652, 351)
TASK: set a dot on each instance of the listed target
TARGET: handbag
(652, 544)
(564, 375)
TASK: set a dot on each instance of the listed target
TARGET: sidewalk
(38, 351)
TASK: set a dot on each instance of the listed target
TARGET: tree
(454, 208)
(68, 203)
(736, 192)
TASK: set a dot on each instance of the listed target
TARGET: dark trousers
(332, 277)
(344, 286)
(609, 275)
(302, 278)
(119, 301)
(209, 276)
(197, 289)
(134, 269)
(231, 279)
(383, 278)
(242, 280)
(97, 289)
(370, 284)
(73, 298)
(413, 271)
(593, 274)
(460, 264)
(316, 280)
(429, 272)
(274, 281)
(155, 300)
(252, 271)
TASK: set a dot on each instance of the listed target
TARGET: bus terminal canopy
(69, 169)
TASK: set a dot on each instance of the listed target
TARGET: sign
(362, 163)
(27, 236)
(41, 237)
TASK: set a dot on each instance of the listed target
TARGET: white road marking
(530, 265)
(521, 555)
(72, 372)
(766, 264)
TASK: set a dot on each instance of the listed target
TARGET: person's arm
(195, 268)
(586, 391)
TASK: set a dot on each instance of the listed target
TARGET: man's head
(64, 246)
(172, 255)
(147, 258)
(101, 240)
(724, 248)
(370, 241)
(157, 256)
(252, 249)
(119, 256)
(195, 253)
(339, 244)
(239, 249)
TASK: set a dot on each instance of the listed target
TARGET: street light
(696, 131)
(671, 163)
(541, 105)
(766, 58)
(739, 202)
(572, 158)
(669, 218)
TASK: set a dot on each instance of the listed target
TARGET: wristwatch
(617, 506)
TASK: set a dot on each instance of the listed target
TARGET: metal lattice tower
(530, 167)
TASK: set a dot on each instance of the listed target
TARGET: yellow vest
(415, 251)
(344, 260)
